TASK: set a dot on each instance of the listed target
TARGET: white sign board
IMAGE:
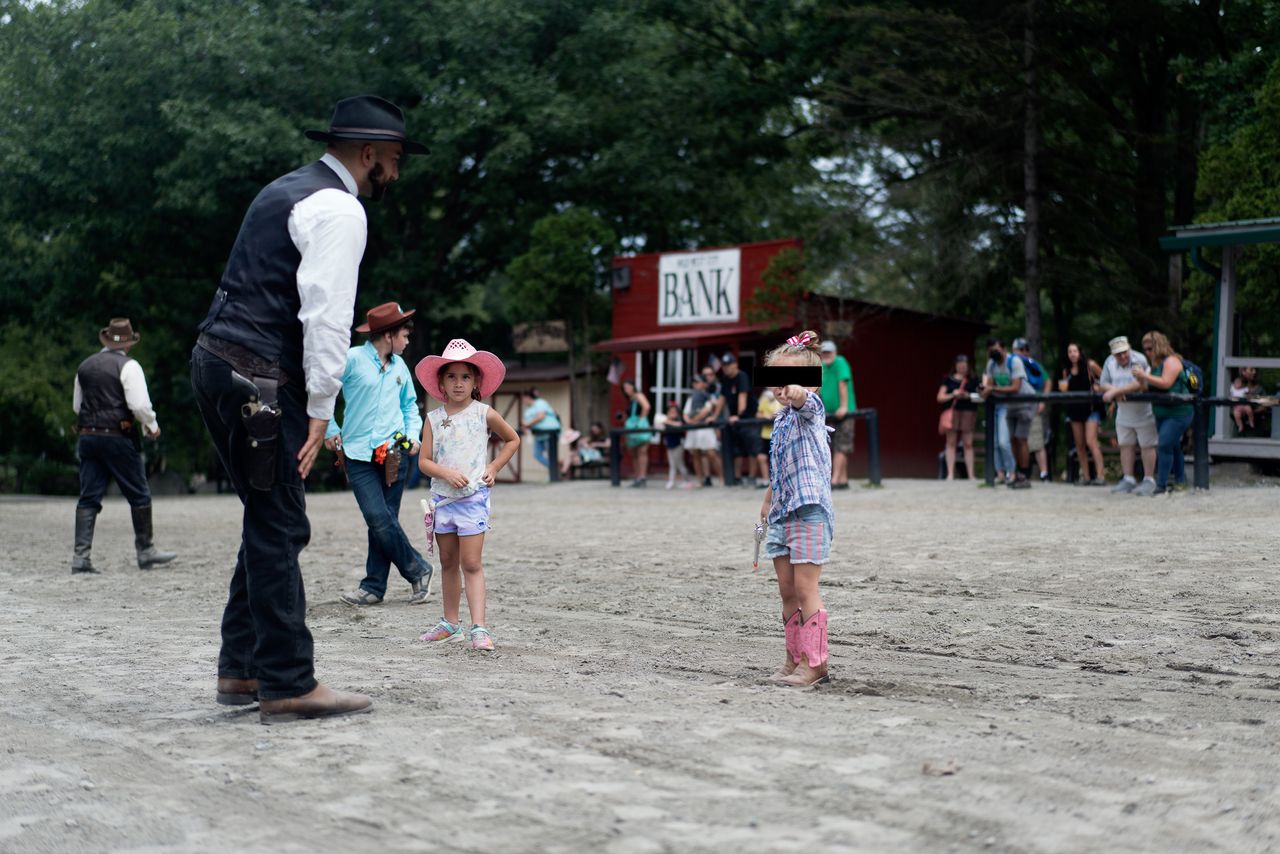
(699, 287)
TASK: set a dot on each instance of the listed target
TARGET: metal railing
(1199, 420)
(728, 441)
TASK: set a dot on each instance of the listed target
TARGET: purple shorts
(465, 517)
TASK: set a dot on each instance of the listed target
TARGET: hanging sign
(547, 336)
(699, 287)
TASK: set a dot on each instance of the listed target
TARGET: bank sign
(699, 287)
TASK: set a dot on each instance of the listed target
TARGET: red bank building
(673, 311)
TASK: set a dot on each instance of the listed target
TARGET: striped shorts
(804, 535)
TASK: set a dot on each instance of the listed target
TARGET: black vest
(257, 304)
(102, 402)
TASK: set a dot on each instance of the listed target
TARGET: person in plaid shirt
(797, 508)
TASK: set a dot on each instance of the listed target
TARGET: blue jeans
(104, 457)
(1169, 450)
(1004, 448)
(542, 440)
(388, 542)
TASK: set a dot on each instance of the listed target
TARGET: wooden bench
(589, 471)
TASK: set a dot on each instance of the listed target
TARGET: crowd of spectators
(1154, 431)
(722, 401)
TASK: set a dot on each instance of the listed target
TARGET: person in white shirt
(109, 398)
(266, 370)
(1135, 424)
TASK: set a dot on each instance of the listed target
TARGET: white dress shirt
(330, 229)
(135, 396)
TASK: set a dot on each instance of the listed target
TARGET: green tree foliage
(564, 276)
(931, 92)
(887, 134)
(1240, 179)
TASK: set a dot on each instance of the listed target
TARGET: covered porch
(1231, 238)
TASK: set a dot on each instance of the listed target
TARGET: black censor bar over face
(777, 376)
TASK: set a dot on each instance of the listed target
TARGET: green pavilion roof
(1235, 233)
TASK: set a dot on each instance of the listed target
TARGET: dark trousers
(264, 630)
(388, 543)
(103, 457)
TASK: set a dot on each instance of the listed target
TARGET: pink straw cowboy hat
(492, 371)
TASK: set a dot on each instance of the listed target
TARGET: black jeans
(103, 457)
(264, 630)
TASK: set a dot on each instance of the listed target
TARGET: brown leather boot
(237, 692)
(319, 702)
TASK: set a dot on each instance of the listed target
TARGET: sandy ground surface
(1055, 670)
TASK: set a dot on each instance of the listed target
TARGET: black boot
(148, 554)
(85, 518)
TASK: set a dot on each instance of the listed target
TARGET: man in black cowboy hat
(266, 370)
(110, 396)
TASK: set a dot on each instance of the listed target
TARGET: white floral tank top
(460, 441)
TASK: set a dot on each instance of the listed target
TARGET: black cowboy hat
(367, 117)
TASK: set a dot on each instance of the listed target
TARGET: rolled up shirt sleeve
(329, 228)
(812, 410)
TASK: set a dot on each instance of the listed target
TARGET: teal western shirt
(379, 402)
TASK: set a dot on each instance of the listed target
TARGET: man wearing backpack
(1020, 415)
(1036, 377)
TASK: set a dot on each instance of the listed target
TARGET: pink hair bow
(799, 340)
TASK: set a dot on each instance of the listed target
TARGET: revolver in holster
(261, 416)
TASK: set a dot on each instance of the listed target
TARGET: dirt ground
(1054, 670)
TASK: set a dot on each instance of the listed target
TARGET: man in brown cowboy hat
(110, 396)
(266, 370)
(380, 431)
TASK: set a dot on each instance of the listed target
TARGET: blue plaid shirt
(800, 460)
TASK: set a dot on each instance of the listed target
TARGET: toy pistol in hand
(760, 529)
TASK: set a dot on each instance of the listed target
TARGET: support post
(553, 454)
(615, 457)
(873, 446)
(1200, 441)
(728, 442)
(989, 465)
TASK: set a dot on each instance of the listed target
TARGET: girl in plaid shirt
(797, 508)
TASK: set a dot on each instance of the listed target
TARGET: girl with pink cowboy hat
(455, 443)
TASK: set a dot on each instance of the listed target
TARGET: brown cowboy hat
(384, 318)
(118, 334)
(367, 117)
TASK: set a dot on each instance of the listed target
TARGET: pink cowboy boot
(791, 627)
(812, 648)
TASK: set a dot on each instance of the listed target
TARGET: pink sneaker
(480, 639)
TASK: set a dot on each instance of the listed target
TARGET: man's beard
(378, 187)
